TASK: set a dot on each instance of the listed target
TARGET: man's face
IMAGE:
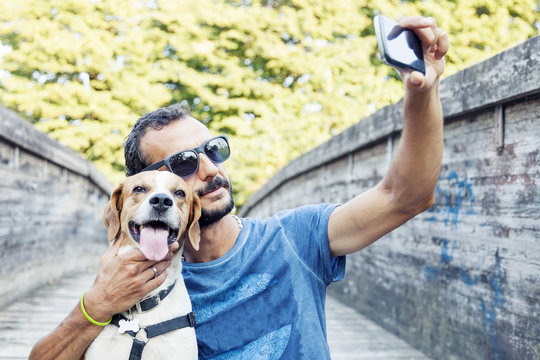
(210, 182)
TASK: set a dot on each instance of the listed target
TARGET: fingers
(416, 80)
(135, 259)
(153, 277)
(154, 283)
(433, 38)
(425, 29)
(443, 44)
(134, 255)
(174, 247)
(159, 267)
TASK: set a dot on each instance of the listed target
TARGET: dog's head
(151, 210)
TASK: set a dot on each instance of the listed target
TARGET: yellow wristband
(88, 316)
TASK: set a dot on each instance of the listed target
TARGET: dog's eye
(139, 189)
(179, 193)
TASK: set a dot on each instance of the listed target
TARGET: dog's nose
(161, 202)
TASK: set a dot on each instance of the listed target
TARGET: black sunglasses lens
(217, 150)
(184, 164)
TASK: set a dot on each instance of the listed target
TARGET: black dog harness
(161, 328)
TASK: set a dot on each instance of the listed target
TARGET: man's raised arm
(408, 188)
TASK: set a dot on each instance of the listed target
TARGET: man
(258, 286)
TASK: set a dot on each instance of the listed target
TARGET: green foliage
(279, 77)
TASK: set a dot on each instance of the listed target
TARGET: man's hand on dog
(124, 279)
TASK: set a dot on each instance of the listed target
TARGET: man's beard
(209, 217)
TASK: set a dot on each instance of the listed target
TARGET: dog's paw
(128, 325)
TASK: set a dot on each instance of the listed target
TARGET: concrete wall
(51, 201)
(462, 280)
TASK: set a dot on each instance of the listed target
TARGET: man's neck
(216, 240)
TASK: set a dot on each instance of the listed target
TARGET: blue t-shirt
(265, 298)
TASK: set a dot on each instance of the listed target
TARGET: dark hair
(156, 119)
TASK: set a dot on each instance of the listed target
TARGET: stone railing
(51, 201)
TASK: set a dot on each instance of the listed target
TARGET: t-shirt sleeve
(306, 230)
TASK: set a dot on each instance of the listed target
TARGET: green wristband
(88, 316)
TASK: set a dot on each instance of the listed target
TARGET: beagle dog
(151, 210)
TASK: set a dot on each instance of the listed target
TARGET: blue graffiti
(451, 194)
(489, 315)
(445, 258)
(455, 201)
(495, 279)
(451, 199)
(468, 279)
(490, 312)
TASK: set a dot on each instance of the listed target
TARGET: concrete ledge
(512, 74)
(20, 132)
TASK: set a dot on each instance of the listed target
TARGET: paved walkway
(350, 335)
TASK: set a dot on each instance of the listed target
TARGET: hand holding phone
(398, 46)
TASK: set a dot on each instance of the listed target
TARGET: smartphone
(398, 46)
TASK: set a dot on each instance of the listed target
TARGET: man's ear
(194, 232)
(111, 213)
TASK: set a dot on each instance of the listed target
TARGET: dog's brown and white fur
(133, 204)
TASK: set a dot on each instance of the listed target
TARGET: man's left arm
(408, 188)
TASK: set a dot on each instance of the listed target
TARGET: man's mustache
(214, 184)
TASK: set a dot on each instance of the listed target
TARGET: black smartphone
(398, 46)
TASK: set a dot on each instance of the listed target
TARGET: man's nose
(207, 169)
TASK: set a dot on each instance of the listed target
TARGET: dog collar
(152, 302)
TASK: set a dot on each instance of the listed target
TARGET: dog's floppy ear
(111, 213)
(194, 232)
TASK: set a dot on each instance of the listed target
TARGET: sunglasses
(186, 163)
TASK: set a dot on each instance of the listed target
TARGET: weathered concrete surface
(460, 281)
(50, 214)
(350, 335)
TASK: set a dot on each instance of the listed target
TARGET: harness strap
(161, 328)
(136, 349)
(170, 325)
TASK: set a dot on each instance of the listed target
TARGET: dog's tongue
(154, 243)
